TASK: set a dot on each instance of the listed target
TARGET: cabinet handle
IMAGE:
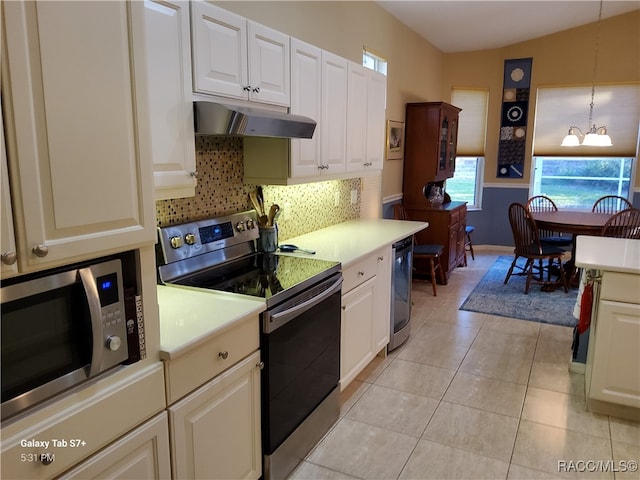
(247, 88)
(223, 355)
(361, 274)
(40, 251)
(256, 90)
(260, 365)
(193, 174)
(9, 258)
(380, 259)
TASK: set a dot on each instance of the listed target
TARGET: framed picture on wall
(395, 140)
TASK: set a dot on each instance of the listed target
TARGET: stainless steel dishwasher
(401, 277)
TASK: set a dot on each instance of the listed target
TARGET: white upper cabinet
(235, 57)
(306, 99)
(357, 117)
(77, 129)
(334, 113)
(170, 93)
(376, 119)
(365, 118)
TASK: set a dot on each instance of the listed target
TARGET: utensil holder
(267, 239)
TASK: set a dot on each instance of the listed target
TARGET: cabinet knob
(260, 365)
(47, 458)
(247, 88)
(193, 174)
(361, 274)
(40, 251)
(223, 355)
(9, 258)
(380, 259)
(256, 90)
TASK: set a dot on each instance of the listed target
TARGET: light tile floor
(471, 396)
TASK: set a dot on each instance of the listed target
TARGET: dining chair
(624, 224)
(611, 204)
(542, 203)
(432, 253)
(468, 243)
(528, 246)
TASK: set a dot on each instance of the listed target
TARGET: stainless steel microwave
(63, 328)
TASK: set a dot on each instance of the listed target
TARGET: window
(577, 182)
(466, 184)
(575, 177)
(374, 62)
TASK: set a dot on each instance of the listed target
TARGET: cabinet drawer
(187, 372)
(359, 272)
(620, 287)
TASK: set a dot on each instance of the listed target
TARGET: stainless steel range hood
(217, 119)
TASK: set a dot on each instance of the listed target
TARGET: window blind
(472, 124)
(615, 106)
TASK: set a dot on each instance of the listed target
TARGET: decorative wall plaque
(513, 123)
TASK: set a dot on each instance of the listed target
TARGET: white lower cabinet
(215, 431)
(612, 376)
(365, 313)
(142, 453)
(357, 331)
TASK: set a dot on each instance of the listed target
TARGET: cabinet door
(219, 51)
(382, 318)
(356, 331)
(81, 166)
(143, 453)
(376, 109)
(170, 98)
(306, 99)
(615, 375)
(7, 238)
(357, 117)
(215, 431)
(269, 65)
(334, 113)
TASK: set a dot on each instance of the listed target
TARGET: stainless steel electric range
(300, 329)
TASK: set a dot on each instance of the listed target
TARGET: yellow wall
(420, 72)
(565, 58)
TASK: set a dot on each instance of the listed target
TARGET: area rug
(493, 297)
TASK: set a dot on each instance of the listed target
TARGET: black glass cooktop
(263, 275)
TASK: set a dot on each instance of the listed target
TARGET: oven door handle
(279, 319)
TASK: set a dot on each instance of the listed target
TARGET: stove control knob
(113, 343)
(240, 226)
(251, 224)
(190, 239)
(176, 242)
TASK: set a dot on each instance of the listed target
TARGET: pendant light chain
(595, 67)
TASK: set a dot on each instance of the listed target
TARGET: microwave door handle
(95, 311)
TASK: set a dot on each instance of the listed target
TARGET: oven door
(300, 345)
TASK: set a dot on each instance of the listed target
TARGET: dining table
(574, 222)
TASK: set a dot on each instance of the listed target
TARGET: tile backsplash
(221, 191)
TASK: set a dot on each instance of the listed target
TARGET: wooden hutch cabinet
(431, 134)
(447, 224)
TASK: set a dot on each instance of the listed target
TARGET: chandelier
(596, 136)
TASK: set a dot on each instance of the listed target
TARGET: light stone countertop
(349, 241)
(608, 254)
(190, 317)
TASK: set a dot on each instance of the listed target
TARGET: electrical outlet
(354, 196)
(286, 211)
(336, 199)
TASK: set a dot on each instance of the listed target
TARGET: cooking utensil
(288, 248)
(253, 196)
(275, 208)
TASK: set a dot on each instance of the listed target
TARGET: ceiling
(461, 26)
